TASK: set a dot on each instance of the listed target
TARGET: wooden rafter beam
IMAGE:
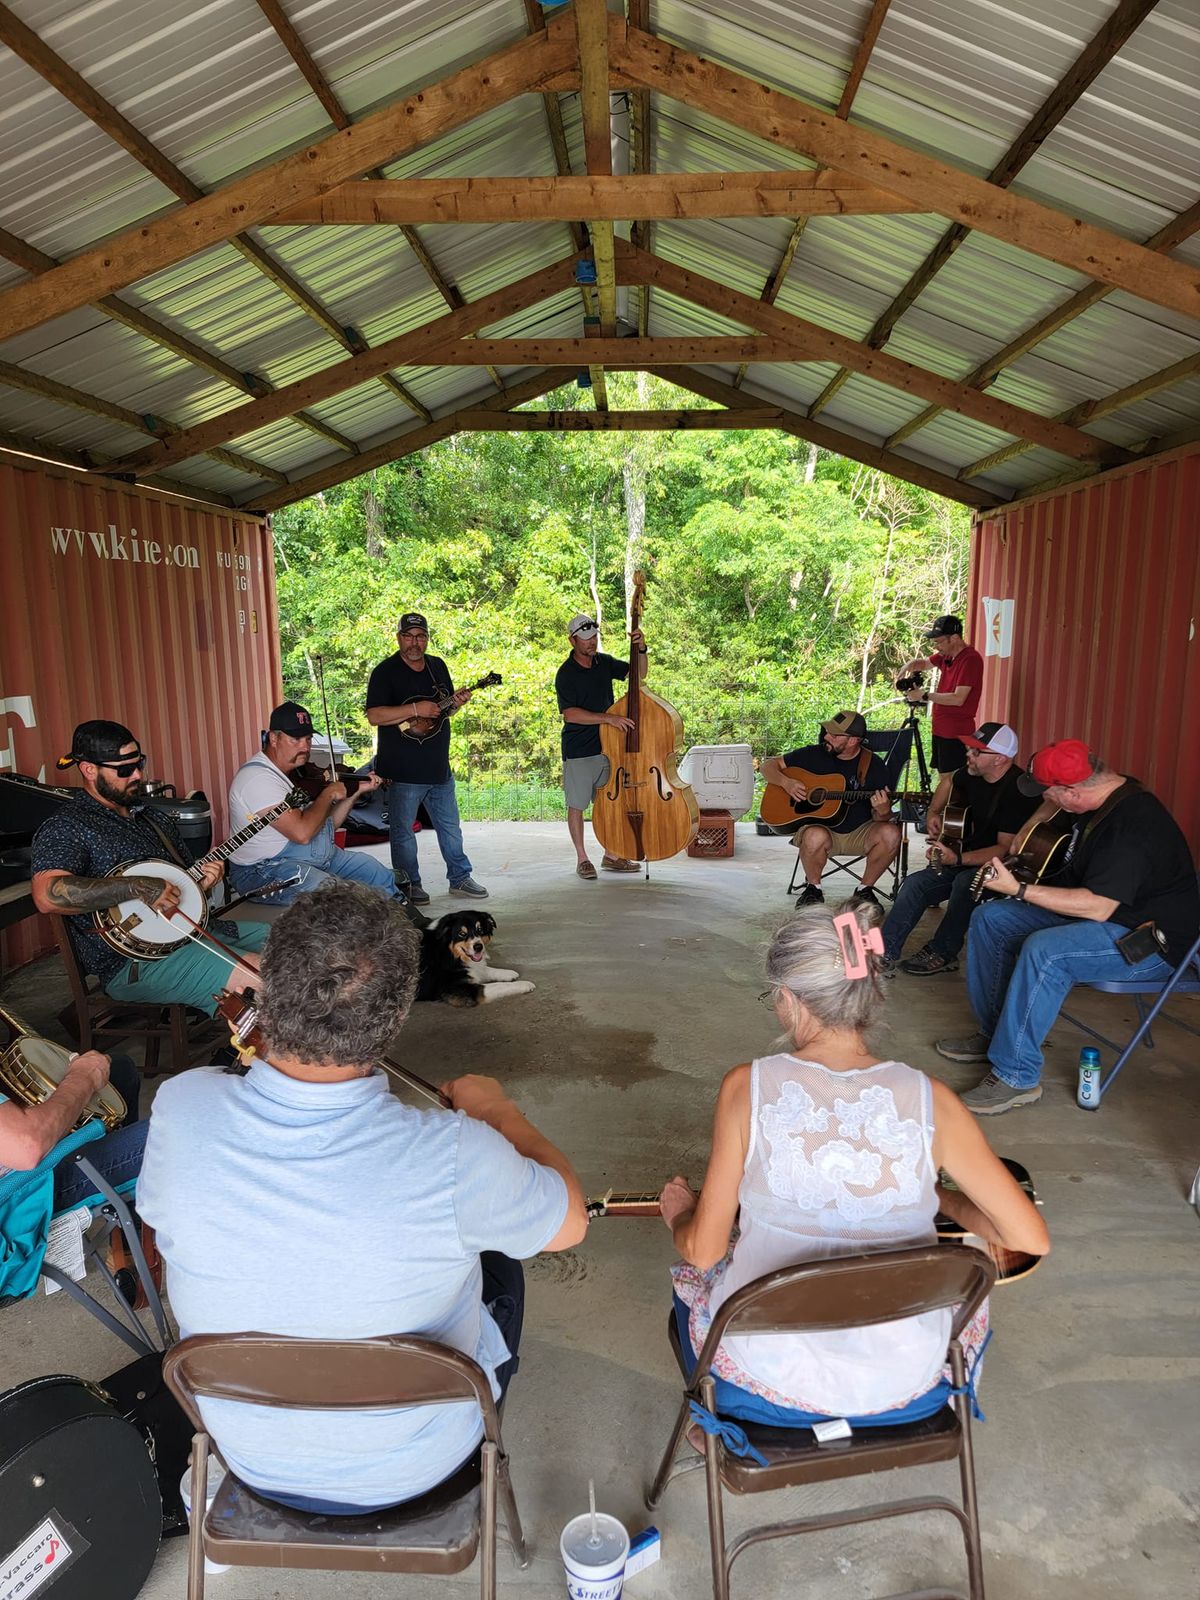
(793, 124)
(639, 159)
(1175, 232)
(814, 343)
(19, 445)
(591, 35)
(1091, 410)
(671, 195)
(617, 421)
(413, 348)
(854, 78)
(1086, 68)
(27, 382)
(843, 444)
(260, 196)
(407, 442)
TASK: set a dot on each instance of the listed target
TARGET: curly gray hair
(805, 959)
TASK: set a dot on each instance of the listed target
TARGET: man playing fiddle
(74, 850)
(370, 1217)
(301, 838)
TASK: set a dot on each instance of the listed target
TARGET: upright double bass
(643, 811)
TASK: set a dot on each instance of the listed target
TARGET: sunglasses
(128, 765)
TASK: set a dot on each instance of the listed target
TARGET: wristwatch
(1020, 895)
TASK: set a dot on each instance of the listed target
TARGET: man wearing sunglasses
(76, 849)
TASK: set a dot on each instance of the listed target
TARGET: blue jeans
(118, 1156)
(918, 892)
(316, 861)
(1022, 962)
(441, 802)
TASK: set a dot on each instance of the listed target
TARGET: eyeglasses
(130, 764)
(414, 633)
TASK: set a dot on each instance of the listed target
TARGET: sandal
(619, 864)
(585, 869)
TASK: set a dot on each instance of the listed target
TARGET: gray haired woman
(823, 1150)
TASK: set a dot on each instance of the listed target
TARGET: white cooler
(721, 776)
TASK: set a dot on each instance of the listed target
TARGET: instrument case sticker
(43, 1555)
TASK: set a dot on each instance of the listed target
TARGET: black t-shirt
(589, 689)
(1138, 856)
(994, 808)
(394, 683)
(815, 758)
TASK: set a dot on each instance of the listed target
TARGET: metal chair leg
(716, 1512)
(195, 1580)
(966, 1468)
(487, 1530)
(657, 1489)
(512, 1517)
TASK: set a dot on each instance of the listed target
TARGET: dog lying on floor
(454, 965)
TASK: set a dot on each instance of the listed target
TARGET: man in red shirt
(956, 698)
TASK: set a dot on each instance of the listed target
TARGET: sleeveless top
(839, 1163)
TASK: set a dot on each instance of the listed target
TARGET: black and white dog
(454, 963)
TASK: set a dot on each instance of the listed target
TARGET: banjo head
(34, 1067)
(138, 926)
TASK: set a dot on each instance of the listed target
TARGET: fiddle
(240, 1013)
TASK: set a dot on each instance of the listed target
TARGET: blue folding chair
(1184, 980)
(26, 1211)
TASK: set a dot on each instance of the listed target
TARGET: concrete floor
(1088, 1463)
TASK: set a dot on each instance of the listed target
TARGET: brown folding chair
(439, 1532)
(847, 1292)
(94, 1016)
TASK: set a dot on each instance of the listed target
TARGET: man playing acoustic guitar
(993, 810)
(1121, 902)
(864, 828)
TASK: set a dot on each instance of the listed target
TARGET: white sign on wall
(997, 627)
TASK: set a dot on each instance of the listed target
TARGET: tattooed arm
(66, 894)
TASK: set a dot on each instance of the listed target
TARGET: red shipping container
(116, 602)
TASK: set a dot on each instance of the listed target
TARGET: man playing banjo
(107, 827)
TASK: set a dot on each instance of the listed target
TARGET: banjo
(31, 1069)
(139, 933)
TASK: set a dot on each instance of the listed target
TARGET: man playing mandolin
(107, 827)
(989, 810)
(1121, 903)
(406, 685)
(864, 828)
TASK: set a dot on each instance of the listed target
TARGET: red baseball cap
(1066, 762)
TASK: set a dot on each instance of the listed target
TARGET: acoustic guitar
(954, 832)
(422, 728)
(1035, 851)
(829, 797)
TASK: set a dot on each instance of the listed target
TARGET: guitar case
(80, 1513)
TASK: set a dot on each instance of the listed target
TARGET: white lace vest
(839, 1163)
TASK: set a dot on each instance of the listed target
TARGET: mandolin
(828, 798)
(1034, 853)
(644, 811)
(422, 728)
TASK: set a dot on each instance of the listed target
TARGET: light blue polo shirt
(336, 1211)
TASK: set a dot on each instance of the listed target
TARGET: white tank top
(839, 1163)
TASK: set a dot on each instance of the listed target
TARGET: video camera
(914, 680)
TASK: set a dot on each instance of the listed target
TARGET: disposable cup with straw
(594, 1548)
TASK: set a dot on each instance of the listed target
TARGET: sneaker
(468, 889)
(416, 895)
(927, 961)
(973, 1048)
(992, 1094)
(810, 895)
(866, 896)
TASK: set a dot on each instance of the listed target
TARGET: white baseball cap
(997, 737)
(582, 626)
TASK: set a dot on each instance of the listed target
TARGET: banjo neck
(243, 835)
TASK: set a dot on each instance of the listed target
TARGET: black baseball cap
(291, 718)
(100, 742)
(946, 624)
(411, 619)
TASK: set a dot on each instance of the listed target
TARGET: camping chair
(1184, 980)
(439, 1532)
(894, 747)
(26, 1212)
(846, 1292)
(93, 1016)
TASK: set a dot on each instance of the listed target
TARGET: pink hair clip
(855, 944)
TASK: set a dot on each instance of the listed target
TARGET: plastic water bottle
(1088, 1094)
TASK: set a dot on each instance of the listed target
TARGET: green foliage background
(782, 583)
